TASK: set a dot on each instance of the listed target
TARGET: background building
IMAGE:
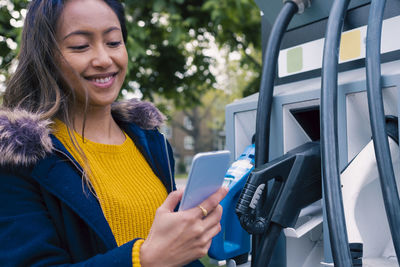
(190, 134)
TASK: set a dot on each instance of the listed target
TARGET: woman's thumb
(172, 200)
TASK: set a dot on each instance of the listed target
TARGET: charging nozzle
(297, 183)
(301, 4)
(250, 207)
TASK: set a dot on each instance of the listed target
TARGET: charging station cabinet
(294, 121)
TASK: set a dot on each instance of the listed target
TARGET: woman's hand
(177, 238)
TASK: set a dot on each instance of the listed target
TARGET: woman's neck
(100, 127)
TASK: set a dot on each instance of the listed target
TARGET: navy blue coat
(47, 215)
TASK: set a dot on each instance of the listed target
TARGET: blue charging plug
(233, 240)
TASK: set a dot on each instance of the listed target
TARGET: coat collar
(25, 137)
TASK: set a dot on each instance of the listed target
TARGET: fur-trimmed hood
(25, 138)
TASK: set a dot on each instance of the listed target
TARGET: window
(188, 142)
(187, 123)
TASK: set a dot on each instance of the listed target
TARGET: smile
(102, 80)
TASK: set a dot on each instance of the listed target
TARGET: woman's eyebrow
(78, 32)
(88, 33)
(114, 28)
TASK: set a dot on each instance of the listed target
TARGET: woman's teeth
(102, 80)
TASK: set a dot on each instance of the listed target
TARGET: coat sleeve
(29, 237)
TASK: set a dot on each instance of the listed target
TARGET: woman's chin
(102, 100)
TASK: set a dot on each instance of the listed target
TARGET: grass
(206, 262)
(181, 176)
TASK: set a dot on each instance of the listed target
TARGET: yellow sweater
(128, 190)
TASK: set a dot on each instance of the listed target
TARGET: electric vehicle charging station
(295, 120)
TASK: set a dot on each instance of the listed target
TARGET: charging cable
(329, 140)
(377, 119)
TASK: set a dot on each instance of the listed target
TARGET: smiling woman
(94, 56)
(88, 181)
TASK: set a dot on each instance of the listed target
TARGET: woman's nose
(101, 57)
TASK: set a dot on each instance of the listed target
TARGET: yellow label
(350, 45)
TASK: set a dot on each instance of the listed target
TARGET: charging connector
(301, 4)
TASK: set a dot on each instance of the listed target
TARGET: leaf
(159, 5)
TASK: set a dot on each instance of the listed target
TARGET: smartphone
(205, 177)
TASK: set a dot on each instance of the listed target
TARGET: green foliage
(166, 43)
(166, 54)
(10, 16)
(170, 36)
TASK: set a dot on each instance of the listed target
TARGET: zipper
(169, 163)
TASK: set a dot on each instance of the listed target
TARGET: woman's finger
(213, 231)
(208, 205)
(206, 239)
(213, 218)
(172, 200)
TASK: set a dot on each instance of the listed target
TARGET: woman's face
(94, 55)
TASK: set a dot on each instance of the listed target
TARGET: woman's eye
(79, 47)
(114, 44)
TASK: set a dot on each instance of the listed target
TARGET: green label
(294, 59)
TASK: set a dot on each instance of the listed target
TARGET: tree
(166, 43)
(197, 129)
(202, 123)
(208, 118)
(169, 55)
(11, 20)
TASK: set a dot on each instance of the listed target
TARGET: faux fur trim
(25, 137)
(142, 113)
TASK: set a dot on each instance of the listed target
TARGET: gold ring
(205, 212)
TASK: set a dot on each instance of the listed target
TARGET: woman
(84, 180)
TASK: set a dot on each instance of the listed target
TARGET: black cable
(268, 246)
(378, 124)
(329, 140)
(264, 105)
